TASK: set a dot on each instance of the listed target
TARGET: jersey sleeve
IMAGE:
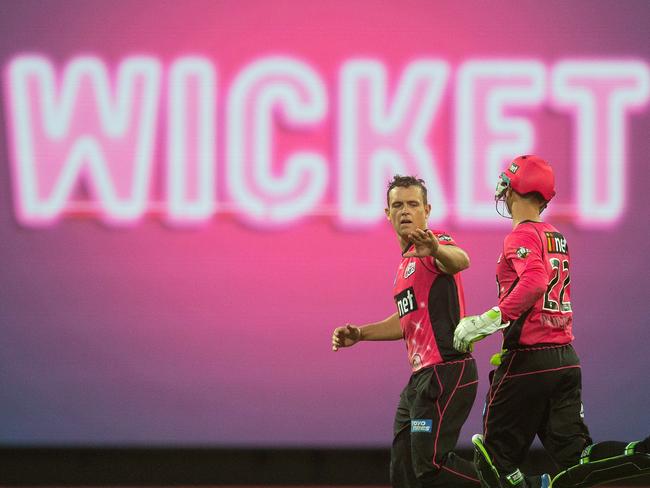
(523, 250)
(444, 239)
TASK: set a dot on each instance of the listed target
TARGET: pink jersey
(534, 286)
(429, 303)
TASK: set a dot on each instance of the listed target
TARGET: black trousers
(535, 391)
(432, 409)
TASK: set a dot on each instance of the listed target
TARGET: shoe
(538, 481)
(486, 471)
(477, 440)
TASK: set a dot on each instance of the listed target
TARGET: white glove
(476, 327)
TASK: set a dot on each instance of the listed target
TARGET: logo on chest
(410, 269)
(406, 302)
(556, 243)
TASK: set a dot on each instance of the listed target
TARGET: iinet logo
(116, 136)
(406, 302)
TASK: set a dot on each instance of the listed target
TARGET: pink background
(220, 334)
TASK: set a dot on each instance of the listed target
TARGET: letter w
(82, 133)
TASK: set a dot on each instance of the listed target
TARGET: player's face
(509, 199)
(406, 210)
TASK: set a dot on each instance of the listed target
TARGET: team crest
(513, 168)
(523, 252)
(410, 269)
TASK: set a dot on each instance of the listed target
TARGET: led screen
(192, 197)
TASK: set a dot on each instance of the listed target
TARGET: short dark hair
(405, 182)
(534, 196)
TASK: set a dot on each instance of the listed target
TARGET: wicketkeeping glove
(476, 327)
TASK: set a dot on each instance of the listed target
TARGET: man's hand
(345, 336)
(476, 327)
(426, 244)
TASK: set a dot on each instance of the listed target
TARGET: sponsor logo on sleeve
(556, 243)
(523, 252)
(422, 425)
(444, 238)
(406, 302)
(410, 269)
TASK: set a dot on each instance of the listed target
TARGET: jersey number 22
(553, 301)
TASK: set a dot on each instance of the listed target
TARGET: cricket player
(536, 387)
(429, 302)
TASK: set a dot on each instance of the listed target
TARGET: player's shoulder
(526, 231)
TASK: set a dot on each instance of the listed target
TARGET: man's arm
(526, 255)
(524, 252)
(450, 258)
(388, 329)
(530, 288)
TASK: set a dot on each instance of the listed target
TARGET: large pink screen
(192, 195)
